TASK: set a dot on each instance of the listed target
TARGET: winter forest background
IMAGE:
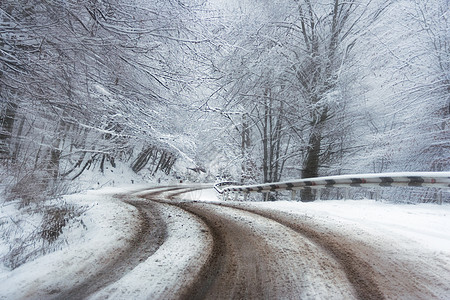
(253, 91)
(250, 91)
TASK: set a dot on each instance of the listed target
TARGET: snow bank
(110, 224)
(426, 224)
(17, 227)
(201, 195)
(182, 255)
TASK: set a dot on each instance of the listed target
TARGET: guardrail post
(293, 193)
(245, 196)
(236, 196)
(439, 195)
(318, 194)
(346, 194)
(267, 196)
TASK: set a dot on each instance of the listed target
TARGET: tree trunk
(312, 161)
(55, 151)
(265, 139)
(311, 164)
(142, 160)
(245, 145)
(6, 127)
(18, 139)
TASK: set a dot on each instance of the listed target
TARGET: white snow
(110, 226)
(102, 90)
(426, 225)
(180, 256)
(201, 195)
(111, 223)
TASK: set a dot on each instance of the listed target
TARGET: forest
(251, 91)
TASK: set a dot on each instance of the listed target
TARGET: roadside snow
(181, 255)
(425, 224)
(17, 227)
(110, 225)
(201, 195)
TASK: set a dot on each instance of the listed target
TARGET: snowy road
(376, 267)
(267, 253)
(149, 237)
(258, 258)
(174, 246)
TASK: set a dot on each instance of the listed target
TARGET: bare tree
(323, 35)
(84, 82)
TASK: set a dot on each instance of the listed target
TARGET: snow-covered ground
(425, 224)
(180, 256)
(428, 225)
(111, 223)
(110, 226)
(201, 195)
(406, 246)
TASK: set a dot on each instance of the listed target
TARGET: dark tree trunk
(311, 165)
(18, 139)
(53, 166)
(161, 160)
(312, 161)
(245, 146)
(142, 160)
(6, 127)
(265, 141)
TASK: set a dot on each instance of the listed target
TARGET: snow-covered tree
(88, 82)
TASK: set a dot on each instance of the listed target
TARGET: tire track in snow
(359, 272)
(375, 265)
(151, 235)
(255, 257)
(242, 251)
(172, 269)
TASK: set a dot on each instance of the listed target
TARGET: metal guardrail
(407, 179)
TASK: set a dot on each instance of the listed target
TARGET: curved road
(266, 254)
(258, 258)
(258, 253)
(150, 237)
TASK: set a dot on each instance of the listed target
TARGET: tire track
(255, 257)
(359, 272)
(210, 271)
(254, 253)
(377, 268)
(151, 235)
